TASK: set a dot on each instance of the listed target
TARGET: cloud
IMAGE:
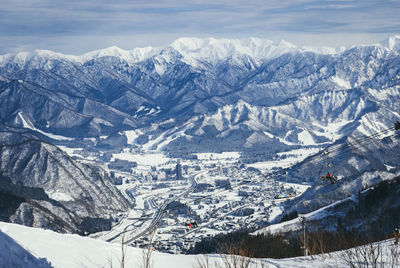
(46, 23)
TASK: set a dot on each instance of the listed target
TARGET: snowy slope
(295, 224)
(14, 255)
(71, 190)
(30, 247)
(75, 251)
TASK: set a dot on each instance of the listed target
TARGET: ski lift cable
(357, 143)
(320, 158)
(340, 150)
(377, 134)
(334, 147)
(341, 147)
(349, 150)
(368, 139)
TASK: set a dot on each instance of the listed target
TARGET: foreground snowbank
(32, 247)
(67, 250)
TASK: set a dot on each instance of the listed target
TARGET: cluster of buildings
(179, 172)
(227, 197)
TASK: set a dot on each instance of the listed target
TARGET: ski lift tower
(285, 172)
(303, 222)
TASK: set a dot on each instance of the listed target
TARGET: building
(162, 175)
(178, 171)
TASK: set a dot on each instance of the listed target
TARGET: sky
(79, 26)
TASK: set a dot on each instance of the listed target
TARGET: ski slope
(295, 224)
(22, 246)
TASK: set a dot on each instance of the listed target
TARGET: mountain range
(250, 90)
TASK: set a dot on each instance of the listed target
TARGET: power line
(343, 148)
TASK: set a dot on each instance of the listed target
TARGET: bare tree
(229, 261)
(394, 255)
(378, 254)
(148, 251)
(122, 260)
(235, 257)
(204, 262)
(123, 252)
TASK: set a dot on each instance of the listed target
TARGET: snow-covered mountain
(112, 89)
(43, 187)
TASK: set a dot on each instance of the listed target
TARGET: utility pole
(303, 222)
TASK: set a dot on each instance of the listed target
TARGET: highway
(130, 232)
(158, 215)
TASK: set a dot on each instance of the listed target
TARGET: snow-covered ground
(148, 159)
(66, 250)
(290, 158)
(71, 151)
(29, 125)
(32, 247)
(295, 224)
(218, 156)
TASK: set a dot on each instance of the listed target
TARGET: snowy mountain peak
(134, 55)
(43, 53)
(39, 56)
(19, 58)
(192, 50)
(392, 43)
(283, 43)
(109, 51)
(214, 50)
(217, 49)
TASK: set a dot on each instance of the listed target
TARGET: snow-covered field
(71, 151)
(290, 158)
(218, 156)
(148, 159)
(31, 247)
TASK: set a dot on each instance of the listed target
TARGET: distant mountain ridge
(190, 47)
(198, 48)
(110, 90)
